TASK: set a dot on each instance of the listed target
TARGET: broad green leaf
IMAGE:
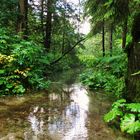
(129, 125)
(2, 71)
(9, 86)
(134, 107)
(2, 81)
(19, 89)
(111, 115)
(3, 41)
(119, 103)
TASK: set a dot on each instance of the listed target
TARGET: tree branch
(68, 51)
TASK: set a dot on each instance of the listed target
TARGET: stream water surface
(68, 111)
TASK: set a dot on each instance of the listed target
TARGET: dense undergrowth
(25, 64)
(22, 64)
(108, 73)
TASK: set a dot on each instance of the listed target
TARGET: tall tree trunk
(22, 21)
(42, 18)
(103, 39)
(111, 39)
(26, 20)
(63, 33)
(124, 33)
(50, 9)
(63, 41)
(133, 74)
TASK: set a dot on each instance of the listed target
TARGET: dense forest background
(41, 37)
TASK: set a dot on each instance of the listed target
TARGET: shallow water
(68, 112)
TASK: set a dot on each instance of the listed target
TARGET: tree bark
(22, 20)
(103, 39)
(26, 20)
(50, 9)
(124, 34)
(111, 39)
(63, 33)
(133, 74)
(42, 17)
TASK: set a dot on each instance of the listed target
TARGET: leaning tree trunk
(133, 77)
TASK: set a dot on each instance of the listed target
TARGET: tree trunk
(49, 24)
(124, 34)
(42, 17)
(22, 21)
(26, 20)
(63, 33)
(111, 40)
(103, 39)
(133, 74)
(63, 42)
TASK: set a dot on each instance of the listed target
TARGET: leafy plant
(129, 124)
(21, 66)
(127, 115)
(106, 73)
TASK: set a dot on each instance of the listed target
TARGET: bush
(106, 73)
(21, 64)
(127, 114)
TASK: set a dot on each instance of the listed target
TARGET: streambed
(68, 111)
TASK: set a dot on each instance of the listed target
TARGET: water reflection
(70, 124)
(36, 122)
(66, 114)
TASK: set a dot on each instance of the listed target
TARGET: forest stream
(68, 112)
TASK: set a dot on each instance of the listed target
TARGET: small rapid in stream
(68, 112)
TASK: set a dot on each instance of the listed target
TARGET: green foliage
(113, 114)
(126, 114)
(133, 107)
(21, 65)
(106, 73)
(129, 124)
(8, 12)
(115, 111)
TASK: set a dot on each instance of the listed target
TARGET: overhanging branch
(68, 51)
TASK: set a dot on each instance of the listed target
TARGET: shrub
(106, 73)
(21, 64)
(127, 114)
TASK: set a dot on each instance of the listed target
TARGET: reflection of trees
(67, 91)
(36, 120)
